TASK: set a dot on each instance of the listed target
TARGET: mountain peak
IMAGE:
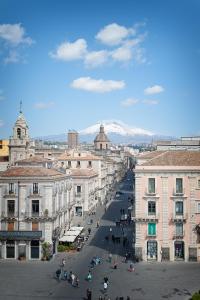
(115, 127)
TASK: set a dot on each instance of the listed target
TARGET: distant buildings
(44, 190)
(167, 206)
(184, 143)
(72, 139)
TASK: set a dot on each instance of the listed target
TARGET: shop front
(20, 244)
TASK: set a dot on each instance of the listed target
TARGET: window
(179, 185)
(179, 229)
(11, 226)
(151, 207)
(89, 164)
(11, 207)
(151, 228)
(78, 164)
(35, 188)
(198, 184)
(35, 226)
(69, 163)
(1, 144)
(19, 133)
(198, 207)
(78, 189)
(179, 208)
(35, 207)
(11, 188)
(151, 186)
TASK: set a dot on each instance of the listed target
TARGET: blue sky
(73, 63)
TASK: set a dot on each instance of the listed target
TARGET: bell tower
(20, 145)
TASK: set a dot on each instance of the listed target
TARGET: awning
(73, 232)
(78, 228)
(68, 238)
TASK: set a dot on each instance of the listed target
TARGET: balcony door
(152, 250)
(179, 250)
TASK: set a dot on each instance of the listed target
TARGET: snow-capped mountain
(117, 132)
(116, 127)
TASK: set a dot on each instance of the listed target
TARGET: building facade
(35, 206)
(167, 207)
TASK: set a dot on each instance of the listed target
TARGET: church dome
(101, 136)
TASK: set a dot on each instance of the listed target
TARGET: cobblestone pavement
(36, 280)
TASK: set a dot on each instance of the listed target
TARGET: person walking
(131, 267)
(89, 294)
(110, 257)
(105, 286)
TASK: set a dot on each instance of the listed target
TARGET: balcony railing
(146, 217)
(10, 193)
(178, 193)
(34, 193)
(9, 215)
(78, 194)
(178, 235)
(179, 217)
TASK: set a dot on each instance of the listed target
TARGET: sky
(74, 63)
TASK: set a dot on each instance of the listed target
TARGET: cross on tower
(20, 108)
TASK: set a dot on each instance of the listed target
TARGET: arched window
(100, 146)
(19, 133)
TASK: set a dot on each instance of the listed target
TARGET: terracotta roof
(66, 156)
(83, 173)
(150, 155)
(31, 172)
(175, 158)
(34, 159)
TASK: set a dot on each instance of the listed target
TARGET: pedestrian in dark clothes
(89, 294)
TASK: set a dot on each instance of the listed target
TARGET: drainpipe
(18, 208)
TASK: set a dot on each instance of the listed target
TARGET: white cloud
(99, 86)
(1, 123)
(44, 105)
(129, 102)
(14, 40)
(13, 57)
(156, 89)
(150, 102)
(123, 53)
(114, 34)
(95, 58)
(70, 51)
(14, 34)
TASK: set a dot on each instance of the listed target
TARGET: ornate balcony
(178, 235)
(179, 217)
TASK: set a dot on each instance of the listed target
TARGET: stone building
(101, 142)
(35, 206)
(167, 206)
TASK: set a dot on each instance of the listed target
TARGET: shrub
(61, 248)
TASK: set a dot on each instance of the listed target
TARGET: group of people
(62, 274)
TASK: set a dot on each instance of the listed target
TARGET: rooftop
(175, 158)
(31, 172)
(83, 173)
